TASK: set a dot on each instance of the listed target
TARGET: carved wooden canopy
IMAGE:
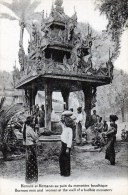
(57, 50)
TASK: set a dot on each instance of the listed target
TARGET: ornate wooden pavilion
(56, 62)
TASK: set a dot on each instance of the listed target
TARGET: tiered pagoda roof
(57, 50)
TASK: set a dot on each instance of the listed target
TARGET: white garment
(54, 117)
(66, 136)
(31, 136)
(79, 118)
(73, 117)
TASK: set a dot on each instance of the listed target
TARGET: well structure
(56, 62)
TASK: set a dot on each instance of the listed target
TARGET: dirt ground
(89, 164)
(83, 164)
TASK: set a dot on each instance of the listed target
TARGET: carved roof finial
(74, 9)
(52, 9)
(58, 6)
(58, 3)
(14, 66)
(75, 14)
(43, 14)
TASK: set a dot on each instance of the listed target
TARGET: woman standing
(111, 135)
(66, 142)
(30, 138)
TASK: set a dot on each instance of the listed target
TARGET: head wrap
(66, 119)
(67, 113)
(69, 121)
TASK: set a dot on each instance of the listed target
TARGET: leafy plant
(23, 11)
(116, 12)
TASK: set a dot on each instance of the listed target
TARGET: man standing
(94, 118)
(42, 116)
(79, 120)
(66, 143)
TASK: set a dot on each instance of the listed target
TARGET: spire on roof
(43, 14)
(52, 10)
(75, 13)
(58, 3)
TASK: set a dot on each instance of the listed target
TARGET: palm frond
(2, 102)
(8, 113)
(8, 5)
(12, 108)
(34, 16)
(23, 9)
(2, 105)
(31, 7)
(7, 16)
(12, 6)
(19, 6)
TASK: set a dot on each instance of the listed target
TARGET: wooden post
(65, 95)
(33, 96)
(48, 104)
(34, 92)
(88, 104)
(30, 104)
(28, 98)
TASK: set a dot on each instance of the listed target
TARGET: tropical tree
(121, 92)
(23, 11)
(1, 105)
(116, 12)
(112, 99)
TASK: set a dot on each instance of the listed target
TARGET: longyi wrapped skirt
(64, 161)
(31, 164)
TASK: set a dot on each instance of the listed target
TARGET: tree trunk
(122, 113)
(22, 26)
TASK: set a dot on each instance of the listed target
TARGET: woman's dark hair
(71, 109)
(100, 119)
(79, 109)
(24, 131)
(62, 119)
(113, 118)
(27, 122)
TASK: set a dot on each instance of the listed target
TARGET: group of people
(97, 124)
(30, 138)
(38, 114)
(70, 124)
